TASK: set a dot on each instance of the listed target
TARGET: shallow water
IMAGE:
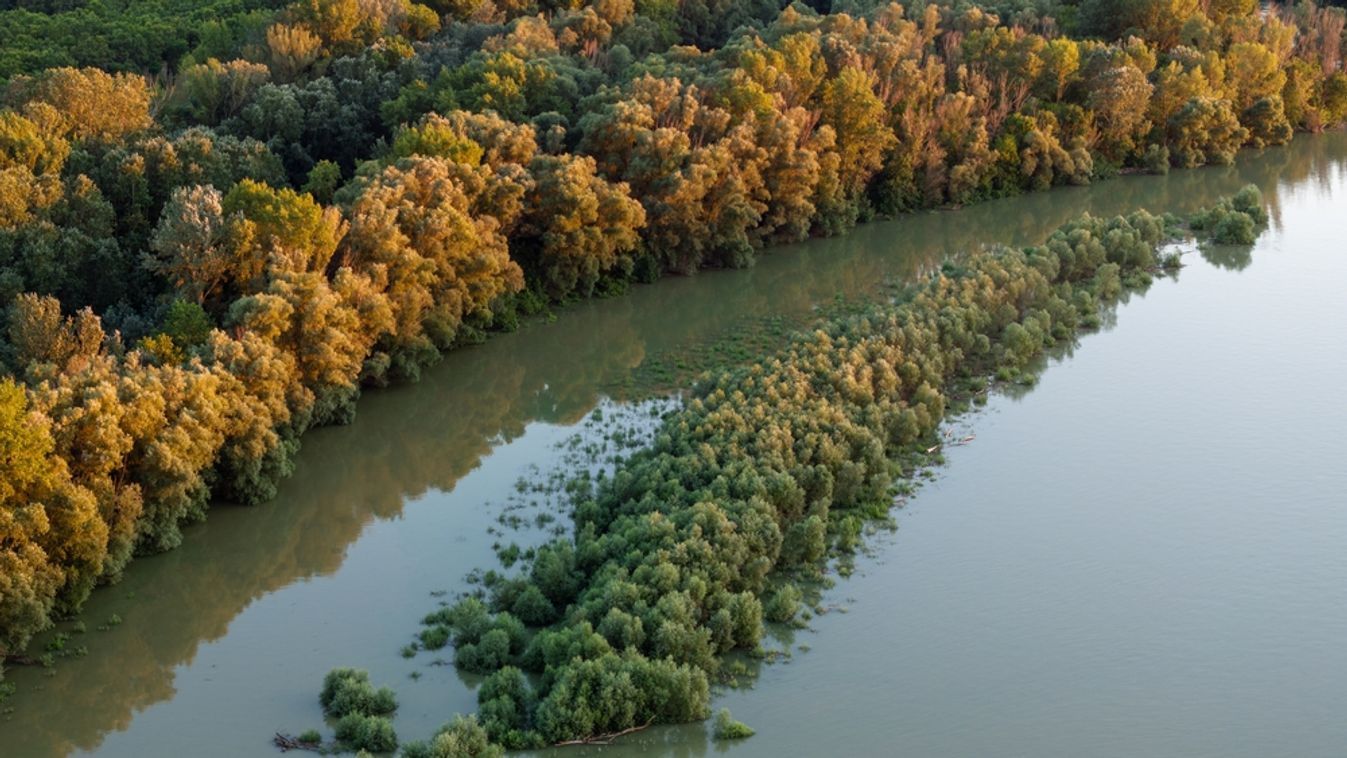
(1141, 556)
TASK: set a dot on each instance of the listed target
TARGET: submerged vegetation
(728, 729)
(362, 715)
(347, 691)
(766, 471)
(220, 221)
(461, 738)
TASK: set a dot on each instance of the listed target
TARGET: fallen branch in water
(19, 660)
(602, 739)
(287, 743)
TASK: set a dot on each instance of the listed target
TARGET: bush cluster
(361, 711)
(348, 691)
(682, 554)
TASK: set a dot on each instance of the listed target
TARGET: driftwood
(19, 660)
(287, 743)
(602, 739)
(949, 437)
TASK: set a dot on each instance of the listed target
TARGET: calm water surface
(1144, 555)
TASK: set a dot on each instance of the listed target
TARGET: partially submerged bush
(462, 738)
(1234, 221)
(783, 605)
(435, 637)
(360, 732)
(347, 691)
(727, 728)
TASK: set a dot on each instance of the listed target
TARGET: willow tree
(580, 225)
(51, 539)
(423, 228)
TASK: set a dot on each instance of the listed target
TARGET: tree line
(207, 249)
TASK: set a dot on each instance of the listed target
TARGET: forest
(220, 222)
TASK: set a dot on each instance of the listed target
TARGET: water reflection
(412, 440)
(1229, 257)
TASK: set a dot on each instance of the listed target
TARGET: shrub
(435, 637)
(462, 738)
(1249, 201)
(1156, 159)
(727, 728)
(783, 605)
(346, 691)
(1234, 229)
(533, 608)
(1233, 221)
(361, 732)
(488, 654)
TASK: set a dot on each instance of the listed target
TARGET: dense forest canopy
(220, 221)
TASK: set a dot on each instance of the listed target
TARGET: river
(1142, 555)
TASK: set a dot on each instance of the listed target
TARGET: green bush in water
(346, 691)
(435, 637)
(462, 738)
(1234, 221)
(727, 728)
(507, 705)
(1249, 201)
(360, 732)
(783, 605)
(487, 654)
(1234, 229)
(533, 608)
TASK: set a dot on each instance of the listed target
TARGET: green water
(1144, 555)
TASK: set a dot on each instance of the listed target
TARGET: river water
(1142, 555)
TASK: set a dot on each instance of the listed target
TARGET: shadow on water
(421, 438)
